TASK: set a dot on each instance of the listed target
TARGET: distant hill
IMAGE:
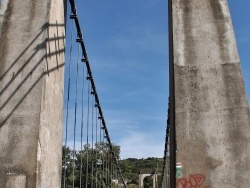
(131, 168)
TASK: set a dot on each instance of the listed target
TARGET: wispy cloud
(141, 39)
(138, 144)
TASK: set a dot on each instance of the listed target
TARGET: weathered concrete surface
(16, 181)
(31, 92)
(212, 113)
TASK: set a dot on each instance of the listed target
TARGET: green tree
(91, 166)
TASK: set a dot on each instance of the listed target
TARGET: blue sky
(127, 45)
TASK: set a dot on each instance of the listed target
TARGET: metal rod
(85, 57)
(171, 99)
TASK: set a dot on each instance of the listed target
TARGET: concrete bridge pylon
(211, 109)
(32, 35)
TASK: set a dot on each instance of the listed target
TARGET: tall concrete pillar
(32, 36)
(212, 113)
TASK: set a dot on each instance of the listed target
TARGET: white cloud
(140, 145)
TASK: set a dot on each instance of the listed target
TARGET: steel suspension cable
(106, 164)
(103, 156)
(92, 142)
(87, 163)
(85, 59)
(101, 159)
(82, 115)
(166, 149)
(171, 98)
(76, 97)
(96, 133)
(110, 174)
(108, 167)
(67, 111)
(111, 163)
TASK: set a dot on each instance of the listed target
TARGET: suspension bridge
(207, 132)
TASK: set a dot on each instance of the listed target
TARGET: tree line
(91, 167)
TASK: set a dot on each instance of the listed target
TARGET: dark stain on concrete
(4, 38)
(234, 86)
(213, 163)
(189, 40)
(220, 21)
(32, 12)
(190, 86)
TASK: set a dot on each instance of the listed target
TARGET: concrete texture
(16, 181)
(212, 113)
(31, 92)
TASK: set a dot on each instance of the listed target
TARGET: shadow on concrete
(10, 78)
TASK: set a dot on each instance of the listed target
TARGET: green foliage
(96, 167)
(91, 166)
(131, 168)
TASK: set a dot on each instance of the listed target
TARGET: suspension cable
(87, 170)
(104, 159)
(82, 115)
(106, 162)
(76, 96)
(101, 159)
(171, 99)
(67, 111)
(92, 142)
(85, 59)
(166, 150)
(96, 133)
(108, 173)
